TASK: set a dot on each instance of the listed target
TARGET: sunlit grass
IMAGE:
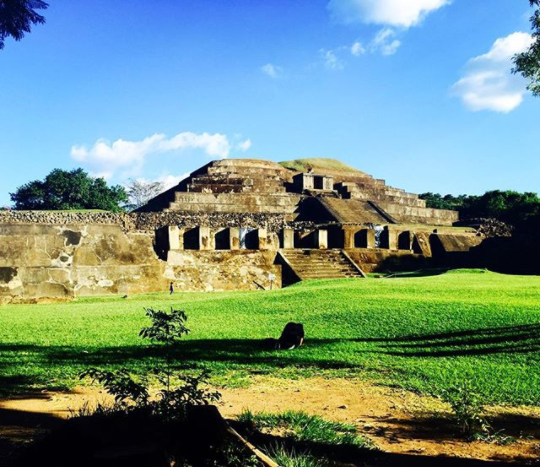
(419, 333)
(299, 426)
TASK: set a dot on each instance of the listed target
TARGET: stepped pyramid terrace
(334, 221)
(233, 224)
(301, 190)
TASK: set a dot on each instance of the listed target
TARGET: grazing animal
(292, 336)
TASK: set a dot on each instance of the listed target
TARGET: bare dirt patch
(397, 421)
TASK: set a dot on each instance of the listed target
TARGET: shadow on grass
(440, 428)
(418, 273)
(320, 354)
(500, 340)
(184, 354)
(18, 386)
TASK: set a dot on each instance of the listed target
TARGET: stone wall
(455, 250)
(222, 270)
(412, 214)
(146, 221)
(61, 262)
(381, 260)
(235, 203)
(40, 262)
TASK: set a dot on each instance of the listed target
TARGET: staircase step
(320, 264)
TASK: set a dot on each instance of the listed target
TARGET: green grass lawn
(419, 333)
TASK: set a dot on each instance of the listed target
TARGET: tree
(527, 63)
(508, 206)
(437, 201)
(73, 189)
(16, 17)
(178, 391)
(140, 192)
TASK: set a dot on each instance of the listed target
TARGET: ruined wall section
(262, 203)
(381, 260)
(62, 262)
(223, 270)
(44, 262)
(415, 214)
(149, 221)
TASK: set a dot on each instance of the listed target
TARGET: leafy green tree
(16, 17)
(508, 206)
(64, 190)
(454, 203)
(527, 63)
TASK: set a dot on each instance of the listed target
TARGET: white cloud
(357, 49)
(331, 60)
(402, 13)
(384, 42)
(212, 145)
(271, 70)
(104, 158)
(488, 83)
(505, 47)
(244, 145)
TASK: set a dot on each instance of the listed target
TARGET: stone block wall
(62, 262)
(235, 203)
(40, 262)
(222, 270)
(454, 250)
(414, 214)
(380, 260)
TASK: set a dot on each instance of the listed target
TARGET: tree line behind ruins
(76, 190)
(511, 207)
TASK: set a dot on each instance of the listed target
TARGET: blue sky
(416, 92)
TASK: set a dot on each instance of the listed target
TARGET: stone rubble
(149, 221)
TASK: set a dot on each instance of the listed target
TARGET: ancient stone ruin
(234, 224)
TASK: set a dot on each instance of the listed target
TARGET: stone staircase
(320, 264)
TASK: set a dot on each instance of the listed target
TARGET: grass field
(316, 163)
(419, 333)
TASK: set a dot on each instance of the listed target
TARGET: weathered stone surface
(257, 186)
(221, 229)
(420, 215)
(146, 221)
(47, 261)
(42, 262)
(447, 243)
(379, 260)
(454, 250)
(389, 239)
(421, 244)
(222, 270)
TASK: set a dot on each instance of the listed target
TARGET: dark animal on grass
(291, 338)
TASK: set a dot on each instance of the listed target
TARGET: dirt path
(397, 421)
